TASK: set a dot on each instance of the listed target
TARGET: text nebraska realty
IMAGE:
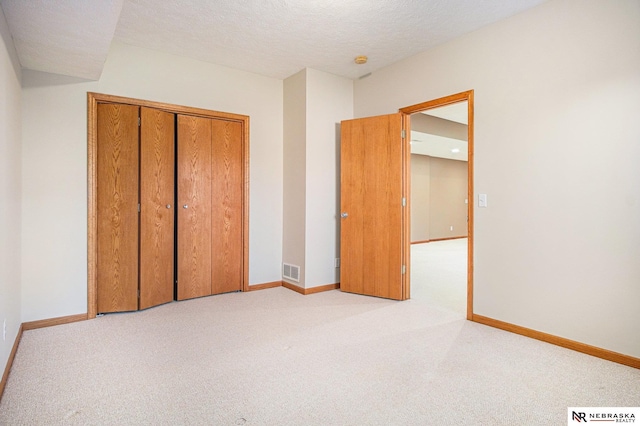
(606, 417)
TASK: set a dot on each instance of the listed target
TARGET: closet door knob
(168, 206)
(185, 206)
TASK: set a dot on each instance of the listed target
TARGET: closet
(168, 203)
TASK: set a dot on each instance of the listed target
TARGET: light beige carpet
(439, 274)
(275, 357)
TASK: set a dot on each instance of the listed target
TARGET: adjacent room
(439, 205)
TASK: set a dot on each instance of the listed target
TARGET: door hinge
(404, 269)
(403, 134)
(139, 122)
(138, 207)
(404, 202)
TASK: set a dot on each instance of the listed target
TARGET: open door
(438, 103)
(373, 250)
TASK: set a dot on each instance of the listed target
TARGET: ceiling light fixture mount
(362, 59)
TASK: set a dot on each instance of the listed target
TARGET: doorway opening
(441, 200)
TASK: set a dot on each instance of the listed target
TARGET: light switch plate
(482, 200)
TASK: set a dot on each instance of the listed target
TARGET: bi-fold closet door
(138, 173)
(135, 169)
(210, 245)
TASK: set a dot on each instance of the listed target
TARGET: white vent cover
(291, 272)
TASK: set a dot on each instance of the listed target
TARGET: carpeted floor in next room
(275, 357)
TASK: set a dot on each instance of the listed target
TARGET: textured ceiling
(69, 37)
(457, 112)
(426, 141)
(275, 38)
(438, 146)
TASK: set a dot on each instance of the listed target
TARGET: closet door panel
(117, 208)
(227, 187)
(157, 176)
(194, 207)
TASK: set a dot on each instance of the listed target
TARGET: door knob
(185, 206)
(344, 214)
(168, 206)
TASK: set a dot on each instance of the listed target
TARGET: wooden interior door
(117, 208)
(157, 177)
(194, 207)
(226, 194)
(371, 182)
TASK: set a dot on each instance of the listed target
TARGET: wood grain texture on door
(157, 176)
(193, 227)
(227, 207)
(117, 208)
(194, 207)
(371, 196)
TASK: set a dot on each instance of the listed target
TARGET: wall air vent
(291, 272)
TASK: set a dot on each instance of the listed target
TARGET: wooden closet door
(117, 208)
(194, 207)
(226, 195)
(157, 176)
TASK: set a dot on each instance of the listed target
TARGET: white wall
(557, 96)
(295, 166)
(314, 104)
(329, 101)
(10, 185)
(448, 191)
(420, 196)
(54, 171)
